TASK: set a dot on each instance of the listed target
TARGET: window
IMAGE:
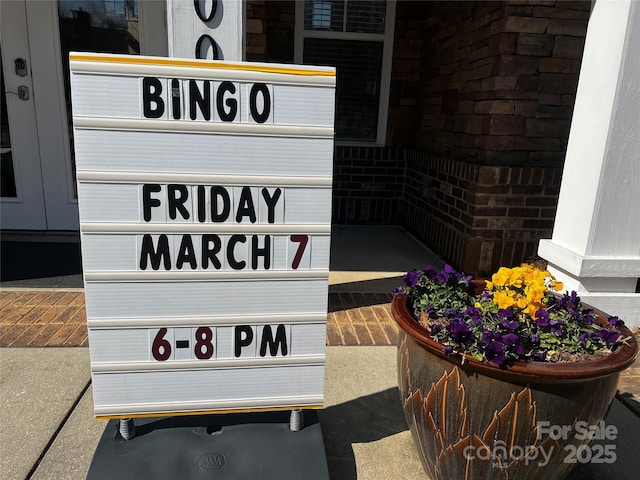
(355, 36)
(109, 26)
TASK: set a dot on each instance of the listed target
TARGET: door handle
(22, 93)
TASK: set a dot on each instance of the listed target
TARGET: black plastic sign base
(256, 446)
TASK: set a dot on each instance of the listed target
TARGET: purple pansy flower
(430, 273)
(539, 356)
(450, 312)
(556, 327)
(542, 318)
(411, 278)
(495, 352)
(475, 316)
(460, 332)
(615, 321)
(609, 337)
(510, 324)
(512, 342)
(587, 317)
(447, 273)
(587, 336)
(488, 337)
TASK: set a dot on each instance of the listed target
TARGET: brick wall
(280, 18)
(499, 79)
(368, 185)
(476, 217)
(480, 104)
(495, 100)
(270, 31)
(479, 217)
(256, 46)
(408, 42)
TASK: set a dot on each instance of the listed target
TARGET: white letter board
(204, 193)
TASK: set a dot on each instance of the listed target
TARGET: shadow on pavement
(629, 401)
(40, 264)
(362, 420)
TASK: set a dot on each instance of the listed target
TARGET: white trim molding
(589, 266)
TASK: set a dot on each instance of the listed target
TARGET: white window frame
(152, 18)
(387, 53)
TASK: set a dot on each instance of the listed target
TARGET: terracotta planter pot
(476, 420)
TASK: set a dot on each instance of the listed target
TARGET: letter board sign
(204, 193)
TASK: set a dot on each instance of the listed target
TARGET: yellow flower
(536, 293)
(557, 286)
(517, 281)
(522, 288)
(522, 302)
(532, 309)
(501, 277)
(503, 299)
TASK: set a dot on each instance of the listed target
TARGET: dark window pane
(365, 16)
(359, 68)
(105, 26)
(7, 176)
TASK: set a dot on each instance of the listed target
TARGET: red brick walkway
(360, 319)
(42, 318)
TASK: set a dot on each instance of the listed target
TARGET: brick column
(497, 84)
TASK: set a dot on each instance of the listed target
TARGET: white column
(192, 25)
(595, 248)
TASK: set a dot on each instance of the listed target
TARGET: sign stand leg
(127, 428)
(296, 421)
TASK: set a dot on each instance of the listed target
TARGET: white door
(37, 156)
(22, 202)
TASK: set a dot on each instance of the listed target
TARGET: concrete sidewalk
(363, 425)
(47, 428)
(48, 431)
